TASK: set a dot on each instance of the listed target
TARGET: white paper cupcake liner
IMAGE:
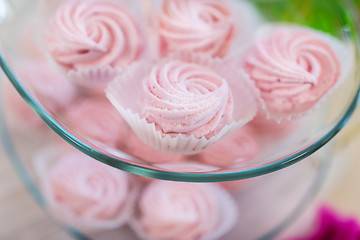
(94, 79)
(43, 162)
(125, 93)
(343, 51)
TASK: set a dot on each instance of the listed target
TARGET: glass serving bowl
(267, 204)
(312, 132)
(288, 193)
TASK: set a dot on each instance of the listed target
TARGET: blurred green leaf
(330, 16)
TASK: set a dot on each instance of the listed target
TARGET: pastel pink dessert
(96, 119)
(239, 147)
(187, 98)
(269, 127)
(187, 102)
(293, 68)
(139, 149)
(51, 88)
(87, 194)
(235, 186)
(19, 110)
(88, 33)
(203, 26)
(191, 211)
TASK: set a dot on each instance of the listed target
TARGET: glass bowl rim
(29, 182)
(168, 175)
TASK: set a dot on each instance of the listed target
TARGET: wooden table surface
(22, 219)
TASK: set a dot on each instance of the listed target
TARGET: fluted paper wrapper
(126, 93)
(94, 79)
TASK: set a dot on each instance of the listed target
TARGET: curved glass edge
(36, 194)
(305, 202)
(173, 176)
(185, 177)
(24, 176)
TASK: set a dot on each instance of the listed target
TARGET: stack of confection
(187, 85)
(186, 74)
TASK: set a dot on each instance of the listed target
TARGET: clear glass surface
(312, 133)
(268, 198)
(288, 192)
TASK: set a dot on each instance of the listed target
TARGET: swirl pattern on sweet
(170, 210)
(205, 26)
(293, 69)
(89, 192)
(186, 98)
(93, 33)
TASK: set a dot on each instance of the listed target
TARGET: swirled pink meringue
(97, 119)
(293, 68)
(88, 194)
(175, 210)
(204, 26)
(241, 146)
(145, 152)
(87, 33)
(187, 98)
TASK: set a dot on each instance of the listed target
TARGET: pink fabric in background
(331, 225)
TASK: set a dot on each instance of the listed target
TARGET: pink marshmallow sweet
(293, 68)
(177, 210)
(269, 127)
(85, 193)
(186, 98)
(19, 110)
(239, 147)
(96, 119)
(145, 152)
(51, 88)
(88, 33)
(187, 102)
(203, 26)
